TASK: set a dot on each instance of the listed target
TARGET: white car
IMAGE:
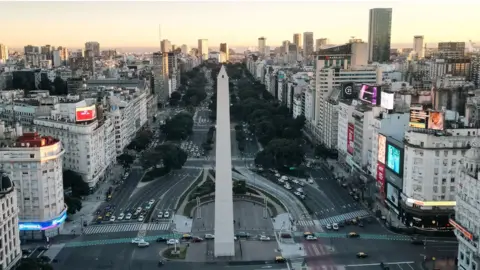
(166, 214)
(295, 181)
(121, 216)
(139, 209)
(311, 237)
(137, 240)
(141, 218)
(302, 197)
(128, 216)
(112, 218)
(160, 215)
(301, 183)
(143, 244)
(278, 175)
(335, 226)
(297, 193)
(148, 206)
(310, 180)
(264, 238)
(328, 226)
(173, 242)
(209, 236)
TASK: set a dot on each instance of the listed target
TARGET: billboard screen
(435, 120)
(85, 113)
(347, 91)
(382, 144)
(394, 161)
(350, 138)
(387, 100)
(43, 225)
(393, 194)
(370, 94)
(380, 175)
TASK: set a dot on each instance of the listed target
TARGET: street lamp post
(199, 210)
(174, 241)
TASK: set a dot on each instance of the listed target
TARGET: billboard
(350, 138)
(382, 145)
(43, 225)
(426, 119)
(387, 100)
(381, 175)
(394, 158)
(85, 113)
(347, 91)
(370, 94)
(393, 194)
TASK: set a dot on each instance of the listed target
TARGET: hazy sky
(239, 23)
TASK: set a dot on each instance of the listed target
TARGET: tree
(321, 151)
(125, 159)
(60, 86)
(170, 156)
(179, 127)
(141, 141)
(281, 153)
(175, 97)
(73, 204)
(74, 181)
(45, 84)
(265, 131)
(33, 264)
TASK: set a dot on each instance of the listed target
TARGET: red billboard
(380, 175)
(85, 113)
(350, 138)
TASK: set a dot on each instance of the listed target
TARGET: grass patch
(184, 195)
(252, 191)
(167, 253)
(212, 172)
(153, 174)
(273, 199)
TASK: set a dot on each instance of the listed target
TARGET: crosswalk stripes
(126, 227)
(343, 217)
(301, 266)
(306, 223)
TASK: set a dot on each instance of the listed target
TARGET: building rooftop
(33, 139)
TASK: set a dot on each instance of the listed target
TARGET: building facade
(379, 34)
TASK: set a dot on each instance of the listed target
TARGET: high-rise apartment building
(31, 49)
(184, 48)
(165, 46)
(379, 34)
(94, 47)
(418, 47)
(307, 44)
(203, 48)
(320, 43)
(451, 49)
(285, 46)
(262, 43)
(224, 49)
(297, 40)
(10, 251)
(3, 53)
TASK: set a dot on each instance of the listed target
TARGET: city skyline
(112, 29)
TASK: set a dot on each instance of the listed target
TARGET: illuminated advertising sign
(394, 158)
(350, 138)
(381, 175)
(43, 225)
(432, 203)
(348, 91)
(387, 100)
(393, 194)
(382, 144)
(370, 94)
(457, 226)
(85, 113)
(426, 119)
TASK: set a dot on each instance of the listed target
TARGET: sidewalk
(90, 204)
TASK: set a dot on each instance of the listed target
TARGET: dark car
(417, 241)
(286, 235)
(341, 224)
(161, 239)
(360, 224)
(196, 239)
(243, 235)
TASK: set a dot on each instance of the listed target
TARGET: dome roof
(5, 182)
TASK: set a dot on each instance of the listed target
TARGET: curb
(187, 189)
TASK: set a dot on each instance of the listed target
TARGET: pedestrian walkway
(126, 227)
(343, 217)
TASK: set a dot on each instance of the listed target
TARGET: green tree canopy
(141, 140)
(179, 127)
(33, 264)
(125, 159)
(175, 97)
(73, 204)
(74, 181)
(168, 155)
(281, 153)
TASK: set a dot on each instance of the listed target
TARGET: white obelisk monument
(224, 242)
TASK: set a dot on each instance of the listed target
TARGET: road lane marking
(374, 264)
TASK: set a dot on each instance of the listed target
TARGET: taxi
(353, 235)
(305, 234)
(187, 236)
(362, 255)
(280, 259)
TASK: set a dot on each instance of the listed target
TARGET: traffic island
(171, 254)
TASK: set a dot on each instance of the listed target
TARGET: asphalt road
(328, 198)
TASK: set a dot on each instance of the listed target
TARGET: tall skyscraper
(184, 48)
(165, 46)
(418, 46)
(307, 44)
(319, 43)
(379, 34)
(203, 49)
(297, 40)
(3, 53)
(262, 43)
(285, 45)
(94, 47)
(224, 49)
